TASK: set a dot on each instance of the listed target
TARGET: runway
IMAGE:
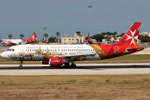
(82, 69)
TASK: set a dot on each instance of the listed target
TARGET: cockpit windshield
(10, 50)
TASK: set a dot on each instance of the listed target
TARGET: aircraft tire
(73, 65)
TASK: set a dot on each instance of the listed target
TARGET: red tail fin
(33, 36)
(129, 39)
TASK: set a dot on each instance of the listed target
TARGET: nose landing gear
(21, 64)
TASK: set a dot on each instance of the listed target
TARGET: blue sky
(68, 16)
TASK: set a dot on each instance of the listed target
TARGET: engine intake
(56, 61)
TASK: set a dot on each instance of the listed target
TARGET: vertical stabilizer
(33, 36)
(129, 39)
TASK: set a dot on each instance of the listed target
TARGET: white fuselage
(15, 41)
(42, 52)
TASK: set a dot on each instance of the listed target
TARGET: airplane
(11, 42)
(89, 40)
(65, 55)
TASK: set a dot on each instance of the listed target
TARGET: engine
(54, 61)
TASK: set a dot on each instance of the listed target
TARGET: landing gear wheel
(73, 65)
(67, 65)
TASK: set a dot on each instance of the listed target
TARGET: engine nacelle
(56, 61)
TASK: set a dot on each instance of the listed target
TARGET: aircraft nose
(4, 55)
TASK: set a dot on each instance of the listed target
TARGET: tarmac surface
(82, 69)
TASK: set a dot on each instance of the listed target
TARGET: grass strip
(90, 87)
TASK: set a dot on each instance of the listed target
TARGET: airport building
(77, 38)
(110, 39)
(145, 33)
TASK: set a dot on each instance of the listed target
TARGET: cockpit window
(10, 50)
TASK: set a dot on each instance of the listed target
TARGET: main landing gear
(21, 64)
(73, 65)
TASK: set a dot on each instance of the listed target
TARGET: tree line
(144, 38)
(103, 35)
(99, 37)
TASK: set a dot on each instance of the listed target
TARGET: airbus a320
(66, 55)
